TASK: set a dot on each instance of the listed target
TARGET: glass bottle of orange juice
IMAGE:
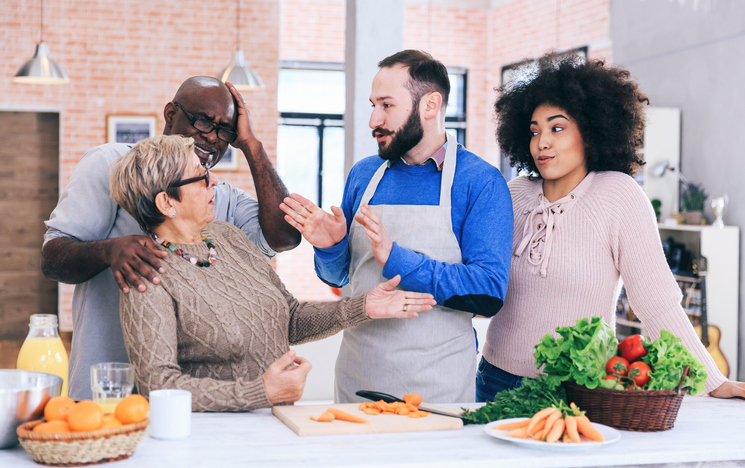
(43, 350)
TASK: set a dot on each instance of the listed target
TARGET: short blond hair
(146, 170)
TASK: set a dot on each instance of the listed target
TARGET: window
(310, 136)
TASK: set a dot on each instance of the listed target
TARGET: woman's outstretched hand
(729, 389)
(385, 302)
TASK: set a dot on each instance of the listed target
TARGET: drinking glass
(110, 382)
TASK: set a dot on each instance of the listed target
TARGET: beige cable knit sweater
(214, 331)
(605, 231)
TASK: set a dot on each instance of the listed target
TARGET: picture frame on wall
(230, 161)
(130, 128)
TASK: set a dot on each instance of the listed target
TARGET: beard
(403, 140)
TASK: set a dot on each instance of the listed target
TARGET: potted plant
(692, 203)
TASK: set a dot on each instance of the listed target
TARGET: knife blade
(376, 396)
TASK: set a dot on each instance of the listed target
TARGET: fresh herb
(521, 402)
(579, 355)
(667, 356)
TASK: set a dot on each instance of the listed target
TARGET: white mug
(170, 414)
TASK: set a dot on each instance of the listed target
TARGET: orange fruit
(132, 409)
(55, 426)
(85, 416)
(58, 408)
(110, 421)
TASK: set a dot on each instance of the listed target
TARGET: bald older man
(93, 243)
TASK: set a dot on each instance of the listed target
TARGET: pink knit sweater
(605, 230)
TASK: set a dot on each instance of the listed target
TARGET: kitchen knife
(377, 396)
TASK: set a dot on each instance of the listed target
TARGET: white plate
(611, 435)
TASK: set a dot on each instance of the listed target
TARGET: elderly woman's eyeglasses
(205, 177)
(206, 127)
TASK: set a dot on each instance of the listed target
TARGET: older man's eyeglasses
(205, 177)
(205, 126)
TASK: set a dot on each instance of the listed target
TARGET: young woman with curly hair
(581, 221)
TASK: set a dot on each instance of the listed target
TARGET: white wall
(689, 54)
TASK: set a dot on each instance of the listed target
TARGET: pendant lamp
(41, 69)
(237, 71)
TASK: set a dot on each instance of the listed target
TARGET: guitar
(709, 334)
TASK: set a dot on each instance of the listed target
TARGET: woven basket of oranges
(75, 434)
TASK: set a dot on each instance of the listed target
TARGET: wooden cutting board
(298, 419)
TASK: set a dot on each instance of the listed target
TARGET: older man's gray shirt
(87, 212)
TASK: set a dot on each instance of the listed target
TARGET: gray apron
(433, 354)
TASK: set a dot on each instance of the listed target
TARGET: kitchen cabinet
(721, 247)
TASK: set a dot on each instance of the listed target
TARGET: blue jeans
(491, 380)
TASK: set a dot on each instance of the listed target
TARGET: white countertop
(707, 430)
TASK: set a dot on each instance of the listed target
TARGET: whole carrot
(537, 431)
(571, 428)
(512, 425)
(556, 431)
(519, 433)
(344, 416)
(586, 428)
(550, 420)
(539, 416)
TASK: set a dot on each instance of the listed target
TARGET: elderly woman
(220, 323)
(581, 222)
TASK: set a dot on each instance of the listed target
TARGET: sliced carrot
(512, 425)
(556, 431)
(588, 430)
(539, 416)
(403, 410)
(571, 429)
(413, 398)
(519, 433)
(423, 414)
(415, 414)
(344, 416)
(326, 416)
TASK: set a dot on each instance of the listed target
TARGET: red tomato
(632, 347)
(617, 366)
(639, 371)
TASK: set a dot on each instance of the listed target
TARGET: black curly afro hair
(605, 103)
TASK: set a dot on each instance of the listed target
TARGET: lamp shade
(240, 74)
(41, 69)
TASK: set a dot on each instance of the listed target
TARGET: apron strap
(373, 185)
(448, 172)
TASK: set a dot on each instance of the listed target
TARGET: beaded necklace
(186, 256)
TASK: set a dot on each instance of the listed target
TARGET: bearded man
(432, 212)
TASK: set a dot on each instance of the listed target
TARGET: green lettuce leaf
(668, 356)
(579, 355)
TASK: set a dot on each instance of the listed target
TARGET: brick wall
(129, 58)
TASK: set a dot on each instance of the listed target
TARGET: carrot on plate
(588, 430)
(519, 433)
(512, 425)
(556, 431)
(571, 429)
(539, 416)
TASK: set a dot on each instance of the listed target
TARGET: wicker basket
(81, 448)
(629, 410)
